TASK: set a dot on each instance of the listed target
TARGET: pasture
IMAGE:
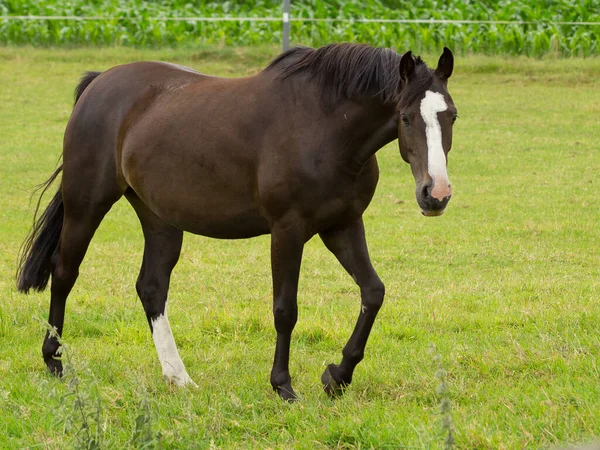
(504, 287)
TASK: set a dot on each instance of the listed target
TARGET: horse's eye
(405, 119)
(454, 117)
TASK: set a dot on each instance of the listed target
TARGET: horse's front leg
(350, 248)
(287, 243)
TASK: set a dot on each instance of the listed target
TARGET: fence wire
(301, 19)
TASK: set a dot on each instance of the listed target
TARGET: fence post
(286, 25)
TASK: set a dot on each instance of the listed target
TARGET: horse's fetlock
(280, 379)
(353, 356)
(50, 348)
(340, 374)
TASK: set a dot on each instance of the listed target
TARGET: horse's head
(426, 115)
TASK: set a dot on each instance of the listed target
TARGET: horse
(288, 152)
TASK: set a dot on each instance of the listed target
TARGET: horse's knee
(372, 294)
(285, 314)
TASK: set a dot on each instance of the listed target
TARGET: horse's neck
(360, 127)
(366, 126)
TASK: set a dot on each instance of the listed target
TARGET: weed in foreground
(80, 410)
(442, 391)
(144, 435)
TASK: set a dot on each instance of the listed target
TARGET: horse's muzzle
(433, 205)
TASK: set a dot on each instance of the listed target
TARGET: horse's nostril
(426, 192)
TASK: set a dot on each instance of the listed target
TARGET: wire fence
(535, 38)
(304, 19)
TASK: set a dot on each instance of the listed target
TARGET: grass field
(505, 285)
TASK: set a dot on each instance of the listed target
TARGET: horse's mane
(354, 70)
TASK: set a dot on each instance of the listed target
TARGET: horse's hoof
(330, 385)
(286, 393)
(180, 380)
(55, 366)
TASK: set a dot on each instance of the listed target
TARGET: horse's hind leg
(287, 244)
(77, 231)
(350, 248)
(161, 252)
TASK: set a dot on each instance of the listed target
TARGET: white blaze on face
(172, 365)
(433, 103)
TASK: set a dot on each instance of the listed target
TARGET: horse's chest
(340, 206)
(324, 196)
(345, 197)
(332, 202)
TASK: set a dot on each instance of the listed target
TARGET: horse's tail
(35, 260)
(84, 83)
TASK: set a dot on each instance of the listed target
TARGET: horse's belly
(207, 193)
(238, 227)
(211, 214)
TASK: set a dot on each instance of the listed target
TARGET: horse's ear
(445, 64)
(407, 67)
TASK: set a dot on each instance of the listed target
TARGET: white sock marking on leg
(172, 365)
(432, 103)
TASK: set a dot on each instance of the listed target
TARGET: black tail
(35, 260)
(84, 83)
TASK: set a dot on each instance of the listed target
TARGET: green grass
(505, 284)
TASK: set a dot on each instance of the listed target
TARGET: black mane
(355, 70)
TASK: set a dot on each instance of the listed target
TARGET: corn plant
(170, 23)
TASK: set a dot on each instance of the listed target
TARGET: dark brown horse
(289, 151)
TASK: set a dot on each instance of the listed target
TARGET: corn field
(151, 24)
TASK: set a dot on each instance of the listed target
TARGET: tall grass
(142, 23)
